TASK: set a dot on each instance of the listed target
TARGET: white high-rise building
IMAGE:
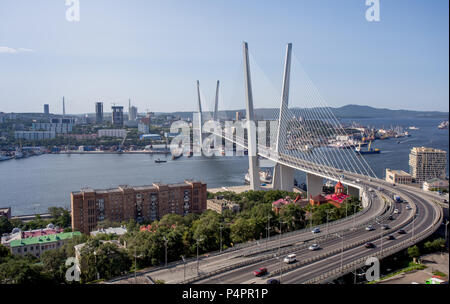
(427, 163)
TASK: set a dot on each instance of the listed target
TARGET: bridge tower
(200, 122)
(283, 176)
(253, 169)
(216, 102)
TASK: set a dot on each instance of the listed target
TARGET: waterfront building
(46, 109)
(99, 112)
(150, 136)
(117, 115)
(138, 203)
(57, 127)
(398, 177)
(427, 163)
(220, 204)
(39, 244)
(435, 184)
(112, 133)
(34, 135)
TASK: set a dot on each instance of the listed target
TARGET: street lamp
(96, 270)
(414, 221)
(165, 245)
(328, 212)
(220, 227)
(446, 232)
(184, 270)
(342, 250)
(198, 240)
(268, 228)
(381, 235)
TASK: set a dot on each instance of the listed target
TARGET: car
(401, 231)
(385, 227)
(379, 188)
(273, 281)
(408, 207)
(370, 228)
(260, 272)
(369, 245)
(357, 180)
(393, 185)
(390, 237)
(396, 211)
(315, 230)
(291, 258)
(313, 247)
(391, 217)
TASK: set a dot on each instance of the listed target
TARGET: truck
(397, 199)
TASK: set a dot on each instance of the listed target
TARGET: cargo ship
(368, 151)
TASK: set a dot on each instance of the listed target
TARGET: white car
(357, 180)
(315, 230)
(396, 211)
(290, 259)
(408, 207)
(313, 247)
(370, 228)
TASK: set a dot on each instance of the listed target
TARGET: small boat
(160, 161)
(264, 176)
(5, 157)
(443, 125)
(369, 150)
(413, 128)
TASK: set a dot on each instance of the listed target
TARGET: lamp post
(342, 250)
(414, 221)
(268, 228)
(184, 270)
(96, 271)
(446, 232)
(381, 235)
(328, 212)
(198, 240)
(165, 252)
(220, 227)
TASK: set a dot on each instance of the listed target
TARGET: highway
(330, 254)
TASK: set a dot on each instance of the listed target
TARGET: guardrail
(336, 273)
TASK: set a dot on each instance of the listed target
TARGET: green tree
(242, 230)
(5, 225)
(414, 252)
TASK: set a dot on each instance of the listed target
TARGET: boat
(443, 125)
(264, 176)
(368, 151)
(18, 154)
(160, 161)
(5, 157)
(413, 128)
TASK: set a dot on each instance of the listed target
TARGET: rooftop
(398, 172)
(44, 239)
(426, 149)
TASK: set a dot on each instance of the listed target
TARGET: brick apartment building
(139, 203)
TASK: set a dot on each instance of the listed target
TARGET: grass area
(438, 273)
(411, 267)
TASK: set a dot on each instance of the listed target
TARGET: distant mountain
(356, 111)
(348, 111)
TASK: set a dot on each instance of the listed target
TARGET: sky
(154, 51)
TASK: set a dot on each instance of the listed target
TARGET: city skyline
(154, 52)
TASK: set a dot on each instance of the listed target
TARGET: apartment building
(139, 203)
(219, 205)
(38, 245)
(112, 133)
(427, 163)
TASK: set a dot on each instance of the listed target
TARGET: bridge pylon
(283, 176)
(253, 168)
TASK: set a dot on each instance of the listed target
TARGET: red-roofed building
(41, 232)
(278, 204)
(336, 199)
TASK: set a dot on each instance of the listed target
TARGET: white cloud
(8, 50)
